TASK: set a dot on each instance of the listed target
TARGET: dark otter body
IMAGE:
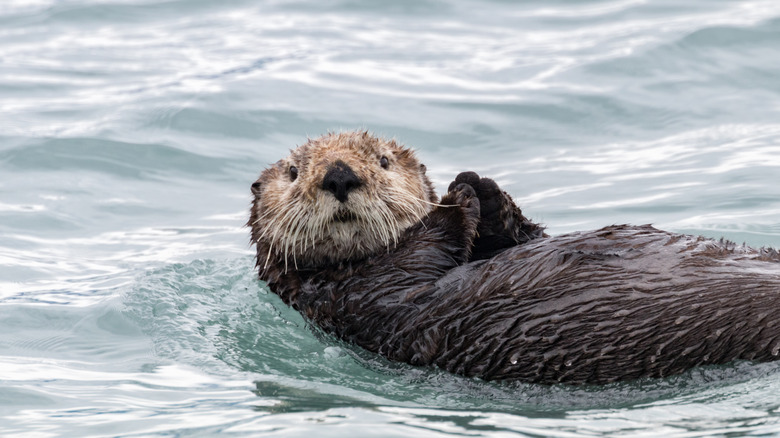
(618, 303)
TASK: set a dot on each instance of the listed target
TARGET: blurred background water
(130, 131)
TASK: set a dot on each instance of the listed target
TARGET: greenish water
(130, 131)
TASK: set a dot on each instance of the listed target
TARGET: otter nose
(340, 180)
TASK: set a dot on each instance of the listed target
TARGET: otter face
(337, 198)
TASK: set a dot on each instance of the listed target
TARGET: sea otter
(350, 232)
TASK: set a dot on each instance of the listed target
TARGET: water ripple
(130, 131)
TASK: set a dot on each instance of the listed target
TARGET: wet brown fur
(618, 303)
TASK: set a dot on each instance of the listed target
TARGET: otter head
(340, 197)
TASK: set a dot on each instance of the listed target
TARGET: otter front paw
(501, 223)
(492, 201)
(463, 195)
(495, 209)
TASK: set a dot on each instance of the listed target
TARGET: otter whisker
(412, 209)
(299, 225)
(266, 213)
(424, 201)
(268, 257)
(279, 221)
(294, 240)
(290, 219)
(386, 224)
(392, 224)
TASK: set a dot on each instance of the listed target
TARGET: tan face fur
(302, 224)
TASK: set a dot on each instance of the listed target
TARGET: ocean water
(130, 131)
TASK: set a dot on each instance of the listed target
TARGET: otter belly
(594, 307)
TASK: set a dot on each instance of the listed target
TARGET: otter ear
(423, 168)
(256, 187)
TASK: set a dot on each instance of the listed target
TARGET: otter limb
(501, 223)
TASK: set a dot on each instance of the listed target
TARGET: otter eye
(383, 162)
(293, 173)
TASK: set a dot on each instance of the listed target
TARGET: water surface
(131, 130)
